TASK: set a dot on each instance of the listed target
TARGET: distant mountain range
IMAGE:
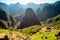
(18, 8)
(28, 15)
(49, 11)
(41, 10)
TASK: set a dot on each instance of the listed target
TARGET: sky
(23, 2)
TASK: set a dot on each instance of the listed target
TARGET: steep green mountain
(29, 19)
(53, 22)
(6, 21)
(49, 11)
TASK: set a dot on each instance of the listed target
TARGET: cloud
(27, 1)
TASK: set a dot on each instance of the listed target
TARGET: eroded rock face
(29, 19)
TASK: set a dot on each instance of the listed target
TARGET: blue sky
(28, 1)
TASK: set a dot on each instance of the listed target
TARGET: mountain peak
(29, 19)
(58, 2)
(30, 10)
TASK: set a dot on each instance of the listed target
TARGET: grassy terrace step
(41, 35)
(7, 31)
(45, 35)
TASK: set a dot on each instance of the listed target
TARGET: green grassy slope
(53, 24)
(45, 35)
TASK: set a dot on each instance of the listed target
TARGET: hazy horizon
(24, 2)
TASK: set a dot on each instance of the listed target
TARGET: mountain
(41, 12)
(53, 22)
(53, 19)
(32, 5)
(3, 13)
(35, 6)
(38, 13)
(43, 5)
(29, 19)
(20, 17)
(58, 2)
(15, 8)
(3, 5)
(49, 11)
(6, 21)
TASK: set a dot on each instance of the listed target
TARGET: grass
(37, 36)
(45, 35)
(7, 31)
